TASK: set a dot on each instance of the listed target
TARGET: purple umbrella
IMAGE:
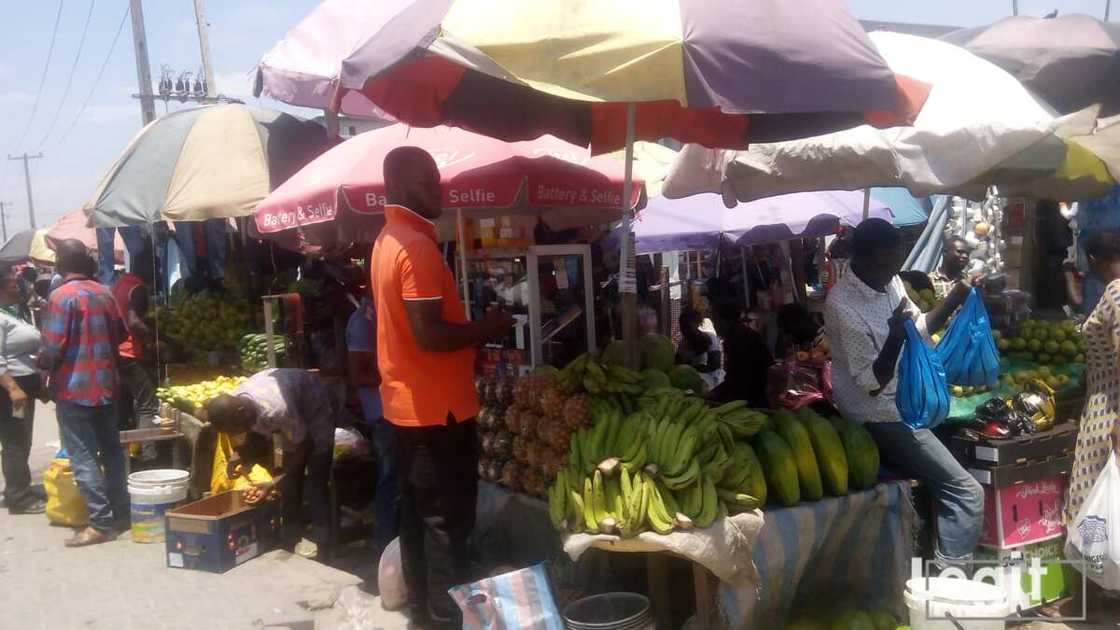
(701, 221)
(1072, 61)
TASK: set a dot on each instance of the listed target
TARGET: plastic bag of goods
(390, 578)
(518, 600)
(922, 395)
(968, 350)
(64, 504)
(1094, 536)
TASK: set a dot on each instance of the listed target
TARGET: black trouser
(316, 465)
(139, 406)
(438, 471)
(15, 442)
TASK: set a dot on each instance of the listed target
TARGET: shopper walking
(1100, 427)
(864, 316)
(19, 386)
(425, 354)
(82, 331)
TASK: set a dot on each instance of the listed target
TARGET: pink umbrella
(339, 197)
(73, 224)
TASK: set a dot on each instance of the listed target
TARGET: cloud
(15, 98)
(234, 84)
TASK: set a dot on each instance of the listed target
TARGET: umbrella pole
(461, 234)
(866, 203)
(746, 278)
(627, 281)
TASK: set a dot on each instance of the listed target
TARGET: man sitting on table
(298, 407)
(864, 317)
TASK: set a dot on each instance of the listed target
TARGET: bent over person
(426, 354)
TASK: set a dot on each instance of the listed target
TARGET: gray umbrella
(1072, 61)
(17, 248)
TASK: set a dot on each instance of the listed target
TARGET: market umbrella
(24, 246)
(216, 161)
(73, 225)
(708, 71)
(1072, 61)
(339, 197)
(979, 127)
(906, 209)
(701, 222)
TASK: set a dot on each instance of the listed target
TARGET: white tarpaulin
(979, 124)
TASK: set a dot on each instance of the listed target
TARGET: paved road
(124, 585)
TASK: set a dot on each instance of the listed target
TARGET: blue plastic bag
(922, 395)
(968, 350)
(518, 600)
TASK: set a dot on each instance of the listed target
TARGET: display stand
(538, 335)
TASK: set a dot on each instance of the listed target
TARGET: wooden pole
(627, 278)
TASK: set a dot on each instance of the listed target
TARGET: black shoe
(34, 506)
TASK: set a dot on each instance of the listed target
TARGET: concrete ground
(124, 585)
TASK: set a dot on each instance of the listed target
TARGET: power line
(70, 79)
(100, 72)
(43, 80)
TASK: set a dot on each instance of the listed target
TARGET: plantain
(710, 505)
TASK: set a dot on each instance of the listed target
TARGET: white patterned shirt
(855, 322)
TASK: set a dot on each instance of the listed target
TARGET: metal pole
(27, 180)
(1014, 7)
(627, 280)
(204, 45)
(4, 219)
(1107, 9)
(143, 70)
(866, 203)
(330, 118)
(461, 233)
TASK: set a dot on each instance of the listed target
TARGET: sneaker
(34, 506)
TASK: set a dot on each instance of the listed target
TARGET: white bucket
(973, 605)
(151, 493)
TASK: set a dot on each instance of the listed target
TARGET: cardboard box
(220, 532)
(1055, 582)
(986, 453)
(1023, 502)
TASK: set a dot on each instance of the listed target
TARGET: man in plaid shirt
(82, 330)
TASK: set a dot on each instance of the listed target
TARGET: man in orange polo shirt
(426, 353)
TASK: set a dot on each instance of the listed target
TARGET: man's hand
(497, 324)
(19, 399)
(898, 319)
(257, 493)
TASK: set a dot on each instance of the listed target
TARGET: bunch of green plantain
(587, 373)
(672, 463)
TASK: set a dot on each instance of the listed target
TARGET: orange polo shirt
(418, 387)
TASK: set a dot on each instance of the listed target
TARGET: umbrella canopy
(1072, 61)
(708, 71)
(344, 187)
(700, 222)
(979, 127)
(74, 225)
(210, 162)
(17, 249)
(906, 209)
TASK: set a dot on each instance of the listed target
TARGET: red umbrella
(74, 224)
(339, 197)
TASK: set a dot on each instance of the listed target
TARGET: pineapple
(552, 402)
(501, 445)
(577, 412)
(519, 449)
(512, 419)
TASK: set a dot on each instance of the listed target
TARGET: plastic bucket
(951, 603)
(609, 611)
(151, 493)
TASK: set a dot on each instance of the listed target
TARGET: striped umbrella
(24, 246)
(707, 71)
(73, 225)
(210, 162)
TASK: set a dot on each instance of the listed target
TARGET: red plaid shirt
(82, 330)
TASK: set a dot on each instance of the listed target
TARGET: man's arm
(939, 315)
(434, 334)
(137, 311)
(871, 368)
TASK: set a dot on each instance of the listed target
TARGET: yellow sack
(220, 481)
(65, 505)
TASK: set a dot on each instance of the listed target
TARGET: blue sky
(240, 31)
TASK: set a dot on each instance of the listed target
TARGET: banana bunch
(671, 463)
(587, 373)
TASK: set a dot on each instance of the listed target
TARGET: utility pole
(27, 179)
(204, 46)
(1014, 7)
(143, 70)
(1107, 9)
(4, 219)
